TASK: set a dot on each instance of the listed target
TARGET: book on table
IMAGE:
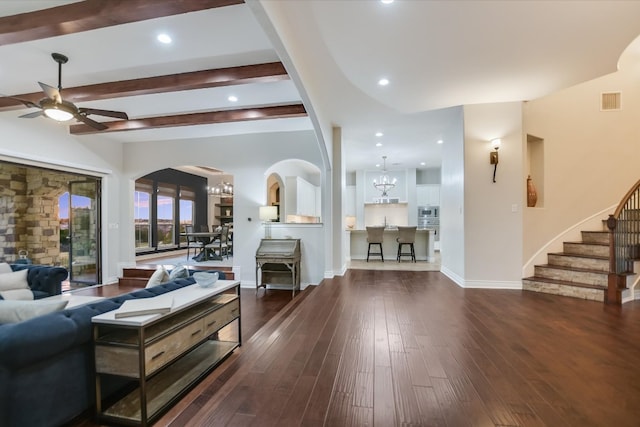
(144, 306)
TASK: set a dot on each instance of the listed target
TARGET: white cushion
(18, 311)
(159, 276)
(14, 280)
(5, 268)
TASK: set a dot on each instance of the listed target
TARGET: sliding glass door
(84, 232)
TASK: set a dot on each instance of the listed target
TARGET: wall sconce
(268, 214)
(493, 156)
(350, 221)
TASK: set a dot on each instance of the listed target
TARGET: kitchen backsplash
(386, 214)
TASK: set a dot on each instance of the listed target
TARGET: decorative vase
(532, 194)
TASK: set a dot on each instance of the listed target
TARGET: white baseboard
(453, 276)
(483, 284)
(480, 284)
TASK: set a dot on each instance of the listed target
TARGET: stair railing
(624, 238)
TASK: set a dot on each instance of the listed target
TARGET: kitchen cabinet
(428, 195)
(302, 197)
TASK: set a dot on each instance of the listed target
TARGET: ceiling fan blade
(51, 92)
(106, 113)
(86, 120)
(24, 101)
(31, 115)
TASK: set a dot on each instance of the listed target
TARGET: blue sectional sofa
(46, 363)
(44, 280)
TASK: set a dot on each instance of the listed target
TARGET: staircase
(580, 271)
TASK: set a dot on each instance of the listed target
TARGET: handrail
(624, 238)
(626, 197)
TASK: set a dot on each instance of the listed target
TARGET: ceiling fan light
(58, 114)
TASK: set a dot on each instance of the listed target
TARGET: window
(187, 205)
(141, 204)
(165, 202)
(165, 208)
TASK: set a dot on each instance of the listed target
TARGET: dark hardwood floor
(411, 348)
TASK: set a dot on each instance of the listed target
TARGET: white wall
(493, 211)
(334, 236)
(590, 156)
(292, 167)
(452, 232)
(311, 245)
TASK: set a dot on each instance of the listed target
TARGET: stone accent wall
(13, 207)
(29, 212)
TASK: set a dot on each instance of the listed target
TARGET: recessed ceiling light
(422, 163)
(379, 134)
(386, 1)
(164, 38)
(383, 82)
(377, 165)
(439, 141)
(233, 98)
(379, 144)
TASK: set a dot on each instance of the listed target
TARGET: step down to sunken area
(139, 276)
(580, 271)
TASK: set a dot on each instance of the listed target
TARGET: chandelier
(384, 183)
(222, 189)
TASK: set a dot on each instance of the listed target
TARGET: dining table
(206, 237)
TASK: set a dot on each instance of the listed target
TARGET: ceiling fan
(54, 107)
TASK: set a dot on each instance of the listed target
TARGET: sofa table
(164, 355)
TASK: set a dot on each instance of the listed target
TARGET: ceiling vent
(610, 101)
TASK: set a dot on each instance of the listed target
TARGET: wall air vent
(610, 101)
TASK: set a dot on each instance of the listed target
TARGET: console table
(164, 355)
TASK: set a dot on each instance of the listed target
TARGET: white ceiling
(437, 55)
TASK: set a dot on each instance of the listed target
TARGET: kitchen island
(423, 245)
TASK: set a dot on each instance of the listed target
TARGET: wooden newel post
(615, 282)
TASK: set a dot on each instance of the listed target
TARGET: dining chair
(375, 235)
(406, 236)
(220, 244)
(192, 242)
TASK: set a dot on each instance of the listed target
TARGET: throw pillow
(14, 280)
(180, 272)
(22, 294)
(18, 311)
(5, 268)
(159, 276)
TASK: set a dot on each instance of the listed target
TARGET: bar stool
(406, 236)
(374, 237)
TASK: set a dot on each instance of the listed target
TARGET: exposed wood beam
(212, 117)
(259, 73)
(93, 14)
